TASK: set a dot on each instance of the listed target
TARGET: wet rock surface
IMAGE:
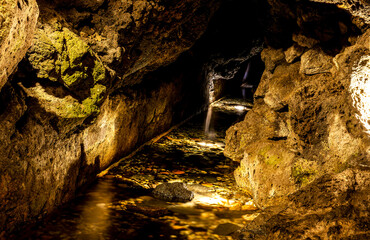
(332, 206)
(226, 229)
(79, 99)
(302, 137)
(173, 192)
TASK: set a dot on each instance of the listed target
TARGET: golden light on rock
(360, 91)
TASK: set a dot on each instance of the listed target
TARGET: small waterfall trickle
(208, 121)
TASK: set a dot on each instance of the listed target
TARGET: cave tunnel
(215, 119)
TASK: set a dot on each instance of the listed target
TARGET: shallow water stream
(120, 206)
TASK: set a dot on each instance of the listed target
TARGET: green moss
(88, 107)
(267, 155)
(41, 57)
(5, 13)
(76, 76)
(71, 51)
(61, 55)
(97, 94)
(302, 175)
(76, 48)
(99, 71)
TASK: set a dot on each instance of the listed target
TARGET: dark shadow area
(246, 81)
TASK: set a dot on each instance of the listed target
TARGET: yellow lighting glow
(205, 144)
(213, 200)
(360, 90)
(240, 108)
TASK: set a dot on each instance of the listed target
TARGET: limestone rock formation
(82, 98)
(332, 207)
(17, 25)
(303, 124)
(307, 131)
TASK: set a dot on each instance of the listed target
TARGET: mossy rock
(62, 56)
(304, 172)
(59, 55)
(268, 156)
(88, 107)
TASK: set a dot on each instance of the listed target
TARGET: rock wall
(308, 128)
(17, 25)
(81, 98)
(332, 207)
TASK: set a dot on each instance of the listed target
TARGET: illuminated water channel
(120, 206)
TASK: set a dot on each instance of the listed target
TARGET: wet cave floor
(120, 206)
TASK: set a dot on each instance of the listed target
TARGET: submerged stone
(173, 192)
(226, 229)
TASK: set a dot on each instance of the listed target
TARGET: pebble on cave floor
(120, 204)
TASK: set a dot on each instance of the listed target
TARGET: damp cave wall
(304, 152)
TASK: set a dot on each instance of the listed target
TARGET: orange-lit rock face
(310, 114)
(307, 131)
(360, 90)
(17, 25)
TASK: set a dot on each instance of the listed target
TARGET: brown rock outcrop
(303, 124)
(332, 207)
(17, 25)
(307, 128)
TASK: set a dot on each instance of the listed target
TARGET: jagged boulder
(305, 126)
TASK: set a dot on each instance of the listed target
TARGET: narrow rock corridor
(120, 204)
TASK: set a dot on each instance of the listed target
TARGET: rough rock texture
(127, 34)
(305, 128)
(332, 207)
(303, 123)
(358, 8)
(17, 25)
(173, 192)
(80, 100)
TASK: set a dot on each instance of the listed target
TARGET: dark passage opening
(245, 82)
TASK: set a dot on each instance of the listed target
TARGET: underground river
(119, 205)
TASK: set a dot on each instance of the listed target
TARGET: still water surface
(120, 206)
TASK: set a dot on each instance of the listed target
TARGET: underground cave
(156, 119)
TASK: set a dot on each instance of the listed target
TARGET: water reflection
(95, 221)
(120, 205)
